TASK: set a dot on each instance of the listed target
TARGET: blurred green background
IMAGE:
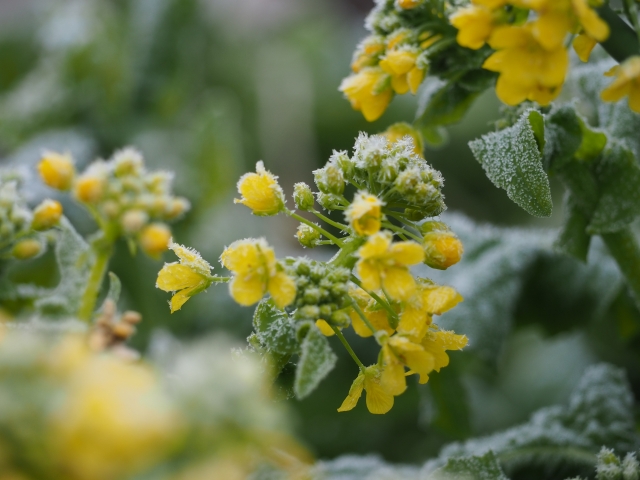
(205, 88)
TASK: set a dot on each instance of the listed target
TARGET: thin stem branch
(377, 298)
(340, 226)
(98, 270)
(348, 347)
(334, 239)
(400, 230)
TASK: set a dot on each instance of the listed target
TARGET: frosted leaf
(74, 259)
(618, 175)
(274, 329)
(370, 467)
(316, 361)
(599, 412)
(512, 161)
(574, 239)
(484, 467)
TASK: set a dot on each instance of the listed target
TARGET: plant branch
(348, 347)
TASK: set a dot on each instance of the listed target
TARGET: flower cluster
(368, 284)
(124, 198)
(19, 225)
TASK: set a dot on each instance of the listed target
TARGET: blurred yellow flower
(257, 272)
(367, 53)
(379, 400)
(398, 131)
(27, 248)
(583, 44)
(442, 249)
(46, 215)
(401, 350)
(475, 24)
(190, 276)
(429, 300)
(368, 91)
(364, 214)
(260, 192)
(626, 83)
(154, 239)
(89, 188)
(527, 70)
(385, 265)
(405, 73)
(57, 170)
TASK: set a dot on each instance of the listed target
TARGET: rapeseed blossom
(402, 65)
(365, 214)
(46, 215)
(57, 170)
(379, 400)
(626, 83)
(257, 272)
(475, 24)
(260, 192)
(369, 91)
(189, 276)
(385, 265)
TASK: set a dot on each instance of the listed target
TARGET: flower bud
(365, 214)
(177, 207)
(311, 312)
(57, 170)
(89, 189)
(398, 131)
(442, 247)
(330, 179)
(328, 201)
(303, 196)
(46, 215)
(133, 220)
(307, 236)
(27, 248)
(260, 192)
(154, 239)
(128, 161)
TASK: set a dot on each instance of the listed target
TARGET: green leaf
(316, 361)
(512, 161)
(443, 103)
(74, 259)
(618, 175)
(574, 239)
(274, 329)
(470, 468)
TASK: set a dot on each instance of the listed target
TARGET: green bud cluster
(321, 291)
(125, 193)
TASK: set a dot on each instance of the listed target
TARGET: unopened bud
(307, 236)
(177, 207)
(303, 196)
(442, 249)
(89, 189)
(57, 170)
(154, 239)
(128, 161)
(133, 221)
(46, 215)
(27, 248)
(330, 179)
(328, 201)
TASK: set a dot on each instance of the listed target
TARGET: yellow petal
(398, 283)
(379, 401)
(282, 289)
(634, 98)
(414, 322)
(551, 28)
(247, 290)
(379, 320)
(415, 78)
(354, 394)
(369, 274)
(375, 246)
(374, 106)
(438, 299)
(359, 326)
(325, 328)
(174, 276)
(393, 380)
(510, 93)
(406, 253)
(179, 299)
(421, 362)
(400, 84)
(241, 256)
(583, 45)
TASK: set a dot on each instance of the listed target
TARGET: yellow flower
(442, 249)
(57, 170)
(399, 130)
(154, 239)
(89, 188)
(377, 317)
(260, 192)
(583, 44)
(368, 92)
(416, 316)
(527, 70)
(408, 4)
(405, 73)
(379, 401)
(627, 82)
(46, 215)
(475, 24)
(27, 248)
(385, 266)
(325, 328)
(367, 53)
(257, 272)
(190, 276)
(438, 342)
(364, 214)
(399, 351)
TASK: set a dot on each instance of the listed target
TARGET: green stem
(349, 349)
(364, 318)
(334, 239)
(214, 279)
(339, 226)
(623, 41)
(346, 255)
(624, 248)
(402, 230)
(393, 320)
(102, 250)
(632, 14)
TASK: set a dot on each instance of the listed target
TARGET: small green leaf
(470, 468)
(513, 162)
(274, 329)
(618, 175)
(442, 103)
(316, 361)
(574, 239)
(536, 120)
(563, 137)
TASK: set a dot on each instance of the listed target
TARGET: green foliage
(316, 361)
(485, 467)
(274, 329)
(512, 160)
